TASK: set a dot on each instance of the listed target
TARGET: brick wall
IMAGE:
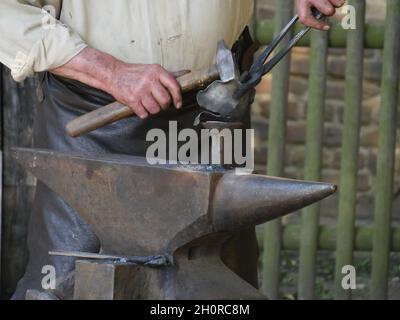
(333, 119)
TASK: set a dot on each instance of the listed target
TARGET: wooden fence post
(350, 148)
(313, 162)
(276, 158)
(386, 153)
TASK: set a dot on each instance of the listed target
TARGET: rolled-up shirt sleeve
(32, 40)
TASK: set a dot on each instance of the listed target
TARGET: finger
(338, 3)
(139, 110)
(162, 96)
(150, 104)
(307, 18)
(170, 83)
(324, 6)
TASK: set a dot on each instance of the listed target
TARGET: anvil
(183, 212)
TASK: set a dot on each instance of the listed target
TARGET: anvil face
(140, 209)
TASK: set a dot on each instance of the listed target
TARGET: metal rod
(313, 162)
(157, 260)
(350, 149)
(386, 153)
(373, 39)
(276, 148)
(260, 67)
(84, 255)
(272, 46)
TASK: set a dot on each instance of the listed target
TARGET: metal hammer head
(225, 63)
(219, 96)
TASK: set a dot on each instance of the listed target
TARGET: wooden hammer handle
(116, 111)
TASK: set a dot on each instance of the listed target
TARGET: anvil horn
(240, 201)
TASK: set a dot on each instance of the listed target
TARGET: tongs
(260, 68)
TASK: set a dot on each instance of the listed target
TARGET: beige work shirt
(178, 34)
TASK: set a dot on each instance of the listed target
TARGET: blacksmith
(95, 52)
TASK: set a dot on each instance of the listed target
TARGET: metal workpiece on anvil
(137, 209)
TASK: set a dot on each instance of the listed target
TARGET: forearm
(91, 67)
(147, 89)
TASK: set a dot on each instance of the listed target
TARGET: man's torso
(178, 34)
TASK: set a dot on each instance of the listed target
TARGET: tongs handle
(280, 55)
(260, 68)
(259, 63)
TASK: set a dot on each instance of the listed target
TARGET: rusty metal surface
(187, 212)
(118, 197)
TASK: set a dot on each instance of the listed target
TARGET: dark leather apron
(56, 226)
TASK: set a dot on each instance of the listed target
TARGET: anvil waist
(56, 226)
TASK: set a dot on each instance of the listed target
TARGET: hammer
(224, 69)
